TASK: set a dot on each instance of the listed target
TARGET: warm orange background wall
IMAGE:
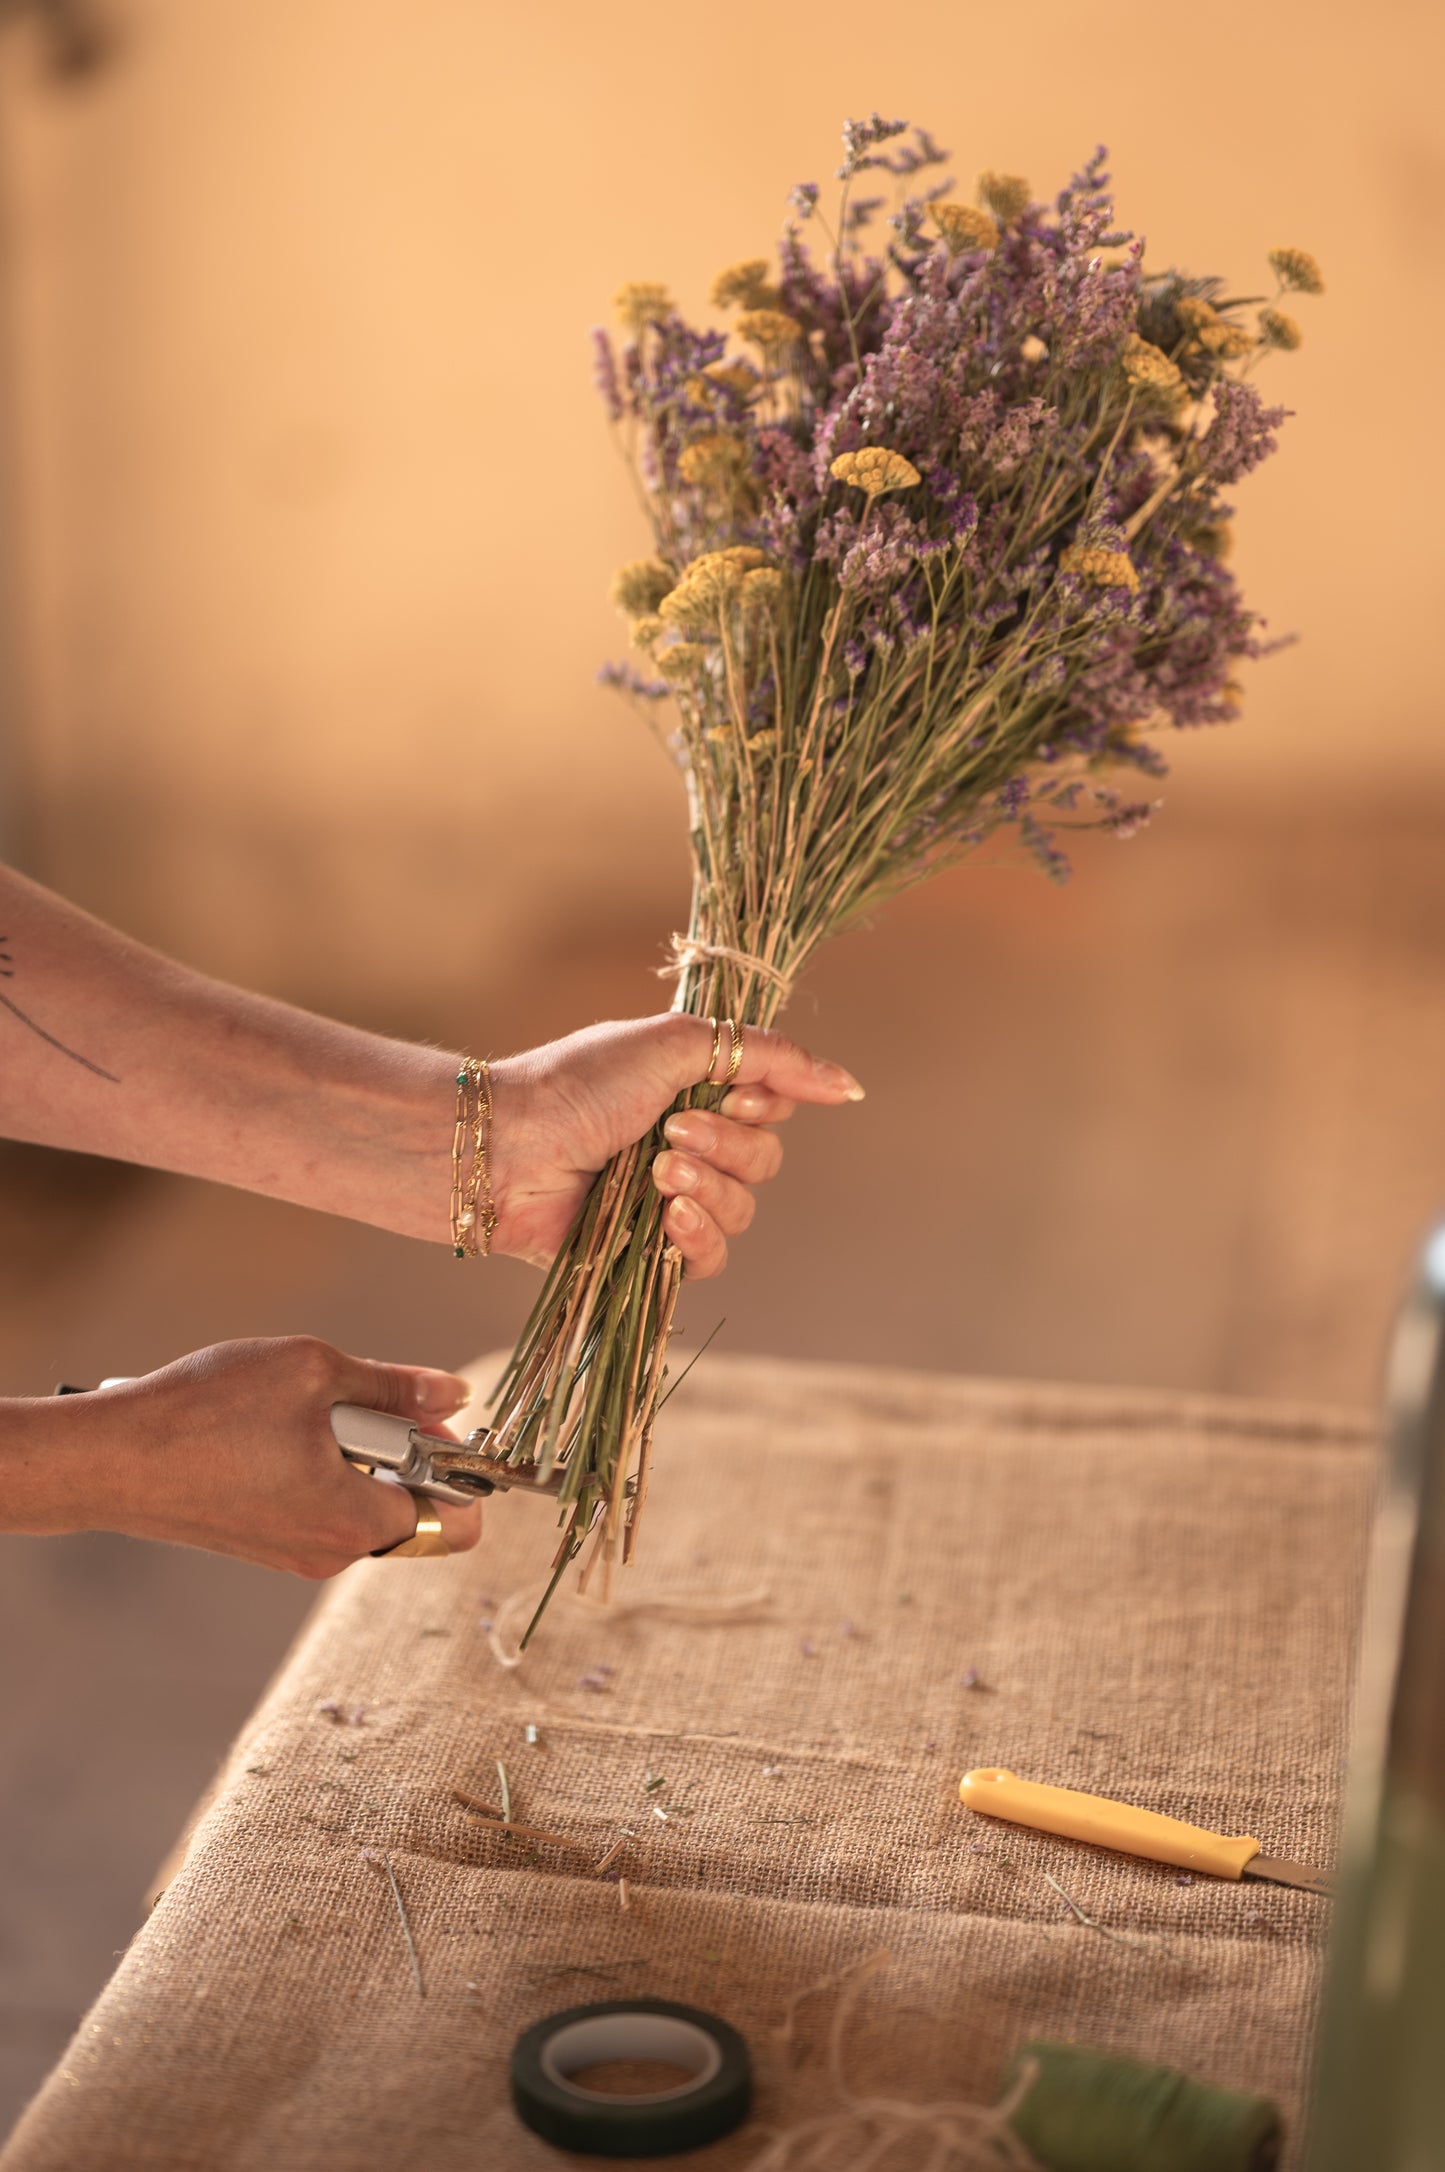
(316, 508)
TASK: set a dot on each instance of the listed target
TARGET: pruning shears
(446, 1470)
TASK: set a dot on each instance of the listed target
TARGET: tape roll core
(715, 2097)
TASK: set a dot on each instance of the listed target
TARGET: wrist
(382, 1144)
(51, 1464)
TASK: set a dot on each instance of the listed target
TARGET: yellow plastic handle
(1108, 1824)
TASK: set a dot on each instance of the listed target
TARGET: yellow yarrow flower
(964, 226)
(1194, 313)
(1226, 342)
(1004, 194)
(874, 469)
(1297, 269)
(1278, 330)
(646, 632)
(707, 389)
(640, 303)
(735, 561)
(744, 286)
(734, 377)
(770, 328)
(1100, 567)
(707, 586)
(640, 586)
(1149, 369)
(684, 660)
(713, 462)
(762, 589)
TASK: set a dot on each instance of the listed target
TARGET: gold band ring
(426, 1541)
(716, 1024)
(735, 1053)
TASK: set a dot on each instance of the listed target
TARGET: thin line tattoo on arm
(7, 972)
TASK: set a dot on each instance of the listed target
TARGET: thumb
(407, 1391)
(769, 1059)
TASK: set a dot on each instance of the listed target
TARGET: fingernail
(680, 1175)
(844, 1080)
(442, 1391)
(692, 1130)
(685, 1216)
(743, 1102)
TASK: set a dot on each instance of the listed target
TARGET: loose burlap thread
(1142, 1595)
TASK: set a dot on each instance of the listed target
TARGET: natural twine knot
(686, 951)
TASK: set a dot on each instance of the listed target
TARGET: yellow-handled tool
(1107, 1824)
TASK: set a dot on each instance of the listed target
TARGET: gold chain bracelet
(474, 1214)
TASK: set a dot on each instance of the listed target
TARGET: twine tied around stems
(687, 951)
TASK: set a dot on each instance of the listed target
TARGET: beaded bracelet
(473, 1213)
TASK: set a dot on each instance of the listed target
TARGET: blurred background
(307, 517)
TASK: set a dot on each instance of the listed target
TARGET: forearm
(109, 1048)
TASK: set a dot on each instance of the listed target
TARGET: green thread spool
(1087, 2112)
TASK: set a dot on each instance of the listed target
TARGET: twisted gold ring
(735, 1051)
(427, 1540)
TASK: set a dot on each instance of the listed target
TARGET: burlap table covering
(1143, 1595)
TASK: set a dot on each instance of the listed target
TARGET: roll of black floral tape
(715, 2097)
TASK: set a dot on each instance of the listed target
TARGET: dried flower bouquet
(940, 547)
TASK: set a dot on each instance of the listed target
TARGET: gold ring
(427, 1540)
(735, 1053)
(716, 1024)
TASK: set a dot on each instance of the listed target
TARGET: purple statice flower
(1131, 816)
(1040, 845)
(604, 373)
(958, 507)
(624, 680)
(804, 199)
(911, 158)
(852, 291)
(859, 137)
(1241, 434)
(873, 553)
(862, 212)
(783, 466)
